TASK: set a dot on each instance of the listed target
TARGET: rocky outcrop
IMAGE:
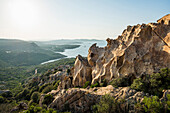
(81, 71)
(165, 20)
(81, 100)
(140, 50)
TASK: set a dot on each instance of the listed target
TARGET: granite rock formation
(140, 50)
(80, 100)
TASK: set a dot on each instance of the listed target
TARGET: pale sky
(75, 19)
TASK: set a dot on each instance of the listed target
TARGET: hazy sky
(72, 19)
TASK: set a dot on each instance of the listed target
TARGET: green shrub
(167, 104)
(153, 84)
(37, 109)
(121, 82)
(95, 85)
(139, 108)
(103, 83)
(7, 94)
(138, 84)
(6, 107)
(42, 87)
(32, 90)
(30, 109)
(48, 99)
(47, 89)
(152, 104)
(23, 95)
(2, 99)
(56, 85)
(107, 104)
(35, 97)
(87, 83)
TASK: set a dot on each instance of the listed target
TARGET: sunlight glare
(24, 14)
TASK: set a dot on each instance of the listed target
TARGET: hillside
(23, 53)
(12, 77)
(15, 45)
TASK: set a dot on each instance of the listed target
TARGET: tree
(48, 99)
(35, 97)
(152, 104)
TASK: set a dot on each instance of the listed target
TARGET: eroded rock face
(165, 20)
(141, 49)
(81, 71)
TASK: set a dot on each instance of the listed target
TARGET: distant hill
(63, 44)
(21, 53)
(66, 41)
(18, 45)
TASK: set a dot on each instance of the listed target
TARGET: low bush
(107, 104)
(35, 97)
(47, 89)
(42, 87)
(56, 85)
(87, 83)
(121, 81)
(2, 99)
(152, 104)
(48, 99)
(103, 83)
(7, 94)
(153, 84)
(167, 103)
(23, 95)
(95, 85)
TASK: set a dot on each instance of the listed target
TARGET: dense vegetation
(108, 104)
(153, 84)
(28, 90)
(14, 77)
